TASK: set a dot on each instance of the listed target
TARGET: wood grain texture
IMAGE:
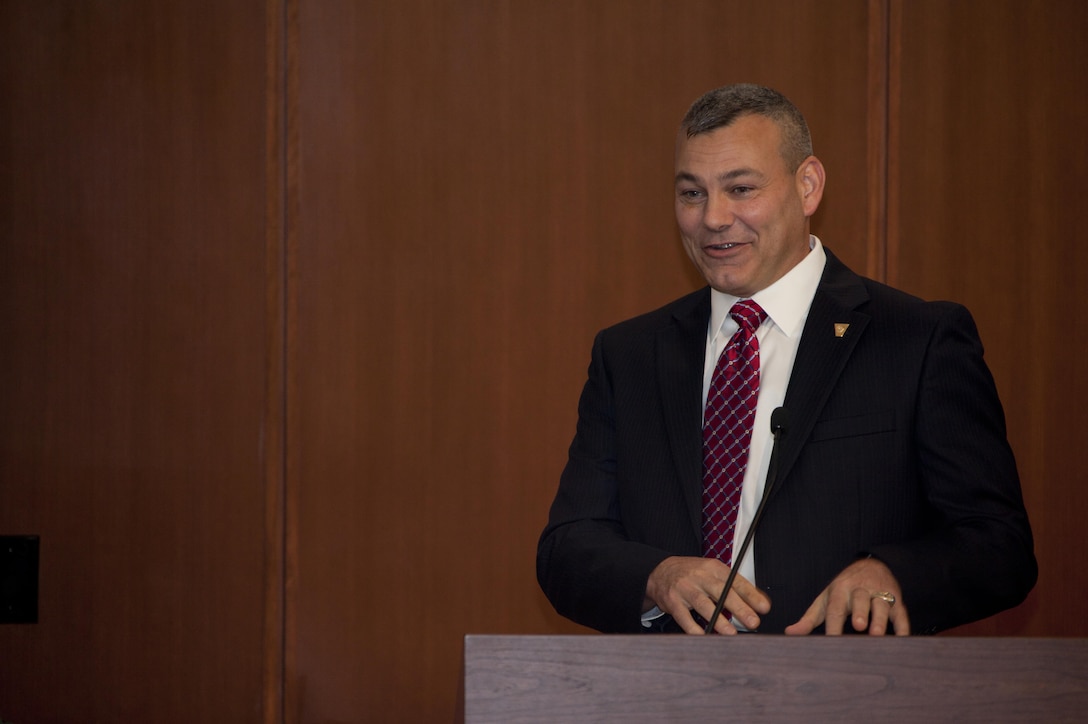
(135, 328)
(524, 679)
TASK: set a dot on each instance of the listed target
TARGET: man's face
(743, 215)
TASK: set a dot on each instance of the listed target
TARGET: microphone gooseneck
(779, 426)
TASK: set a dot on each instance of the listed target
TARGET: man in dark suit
(897, 506)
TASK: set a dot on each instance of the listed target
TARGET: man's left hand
(858, 593)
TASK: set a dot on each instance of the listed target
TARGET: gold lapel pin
(840, 329)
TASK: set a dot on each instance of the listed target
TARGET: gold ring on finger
(886, 597)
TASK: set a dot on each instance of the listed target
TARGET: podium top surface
(761, 678)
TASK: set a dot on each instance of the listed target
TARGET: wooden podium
(762, 678)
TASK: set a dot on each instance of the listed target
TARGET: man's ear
(810, 184)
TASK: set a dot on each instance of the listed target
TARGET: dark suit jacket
(896, 448)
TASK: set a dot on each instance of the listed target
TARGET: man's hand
(853, 594)
(681, 584)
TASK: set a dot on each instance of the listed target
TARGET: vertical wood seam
(894, 92)
(291, 694)
(274, 426)
(877, 142)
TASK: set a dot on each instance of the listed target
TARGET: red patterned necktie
(727, 430)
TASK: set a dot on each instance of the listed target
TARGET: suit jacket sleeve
(974, 556)
(587, 563)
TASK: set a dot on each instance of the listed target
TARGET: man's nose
(719, 212)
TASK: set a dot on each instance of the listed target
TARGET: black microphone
(780, 421)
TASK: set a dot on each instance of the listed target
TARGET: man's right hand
(682, 584)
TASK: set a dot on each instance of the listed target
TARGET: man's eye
(690, 194)
(742, 190)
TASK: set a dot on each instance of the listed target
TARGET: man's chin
(737, 285)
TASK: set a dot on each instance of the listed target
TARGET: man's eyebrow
(727, 176)
(739, 173)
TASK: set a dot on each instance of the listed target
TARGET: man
(897, 506)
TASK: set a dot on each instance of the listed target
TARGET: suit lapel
(822, 354)
(680, 351)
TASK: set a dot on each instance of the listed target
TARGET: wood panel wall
(296, 301)
(137, 349)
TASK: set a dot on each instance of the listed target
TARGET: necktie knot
(748, 315)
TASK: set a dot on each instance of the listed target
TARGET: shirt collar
(786, 302)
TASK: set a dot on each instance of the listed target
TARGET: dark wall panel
(133, 393)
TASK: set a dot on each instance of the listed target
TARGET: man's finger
(684, 620)
(861, 608)
(813, 617)
(723, 625)
(900, 619)
(878, 617)
(837, 610)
